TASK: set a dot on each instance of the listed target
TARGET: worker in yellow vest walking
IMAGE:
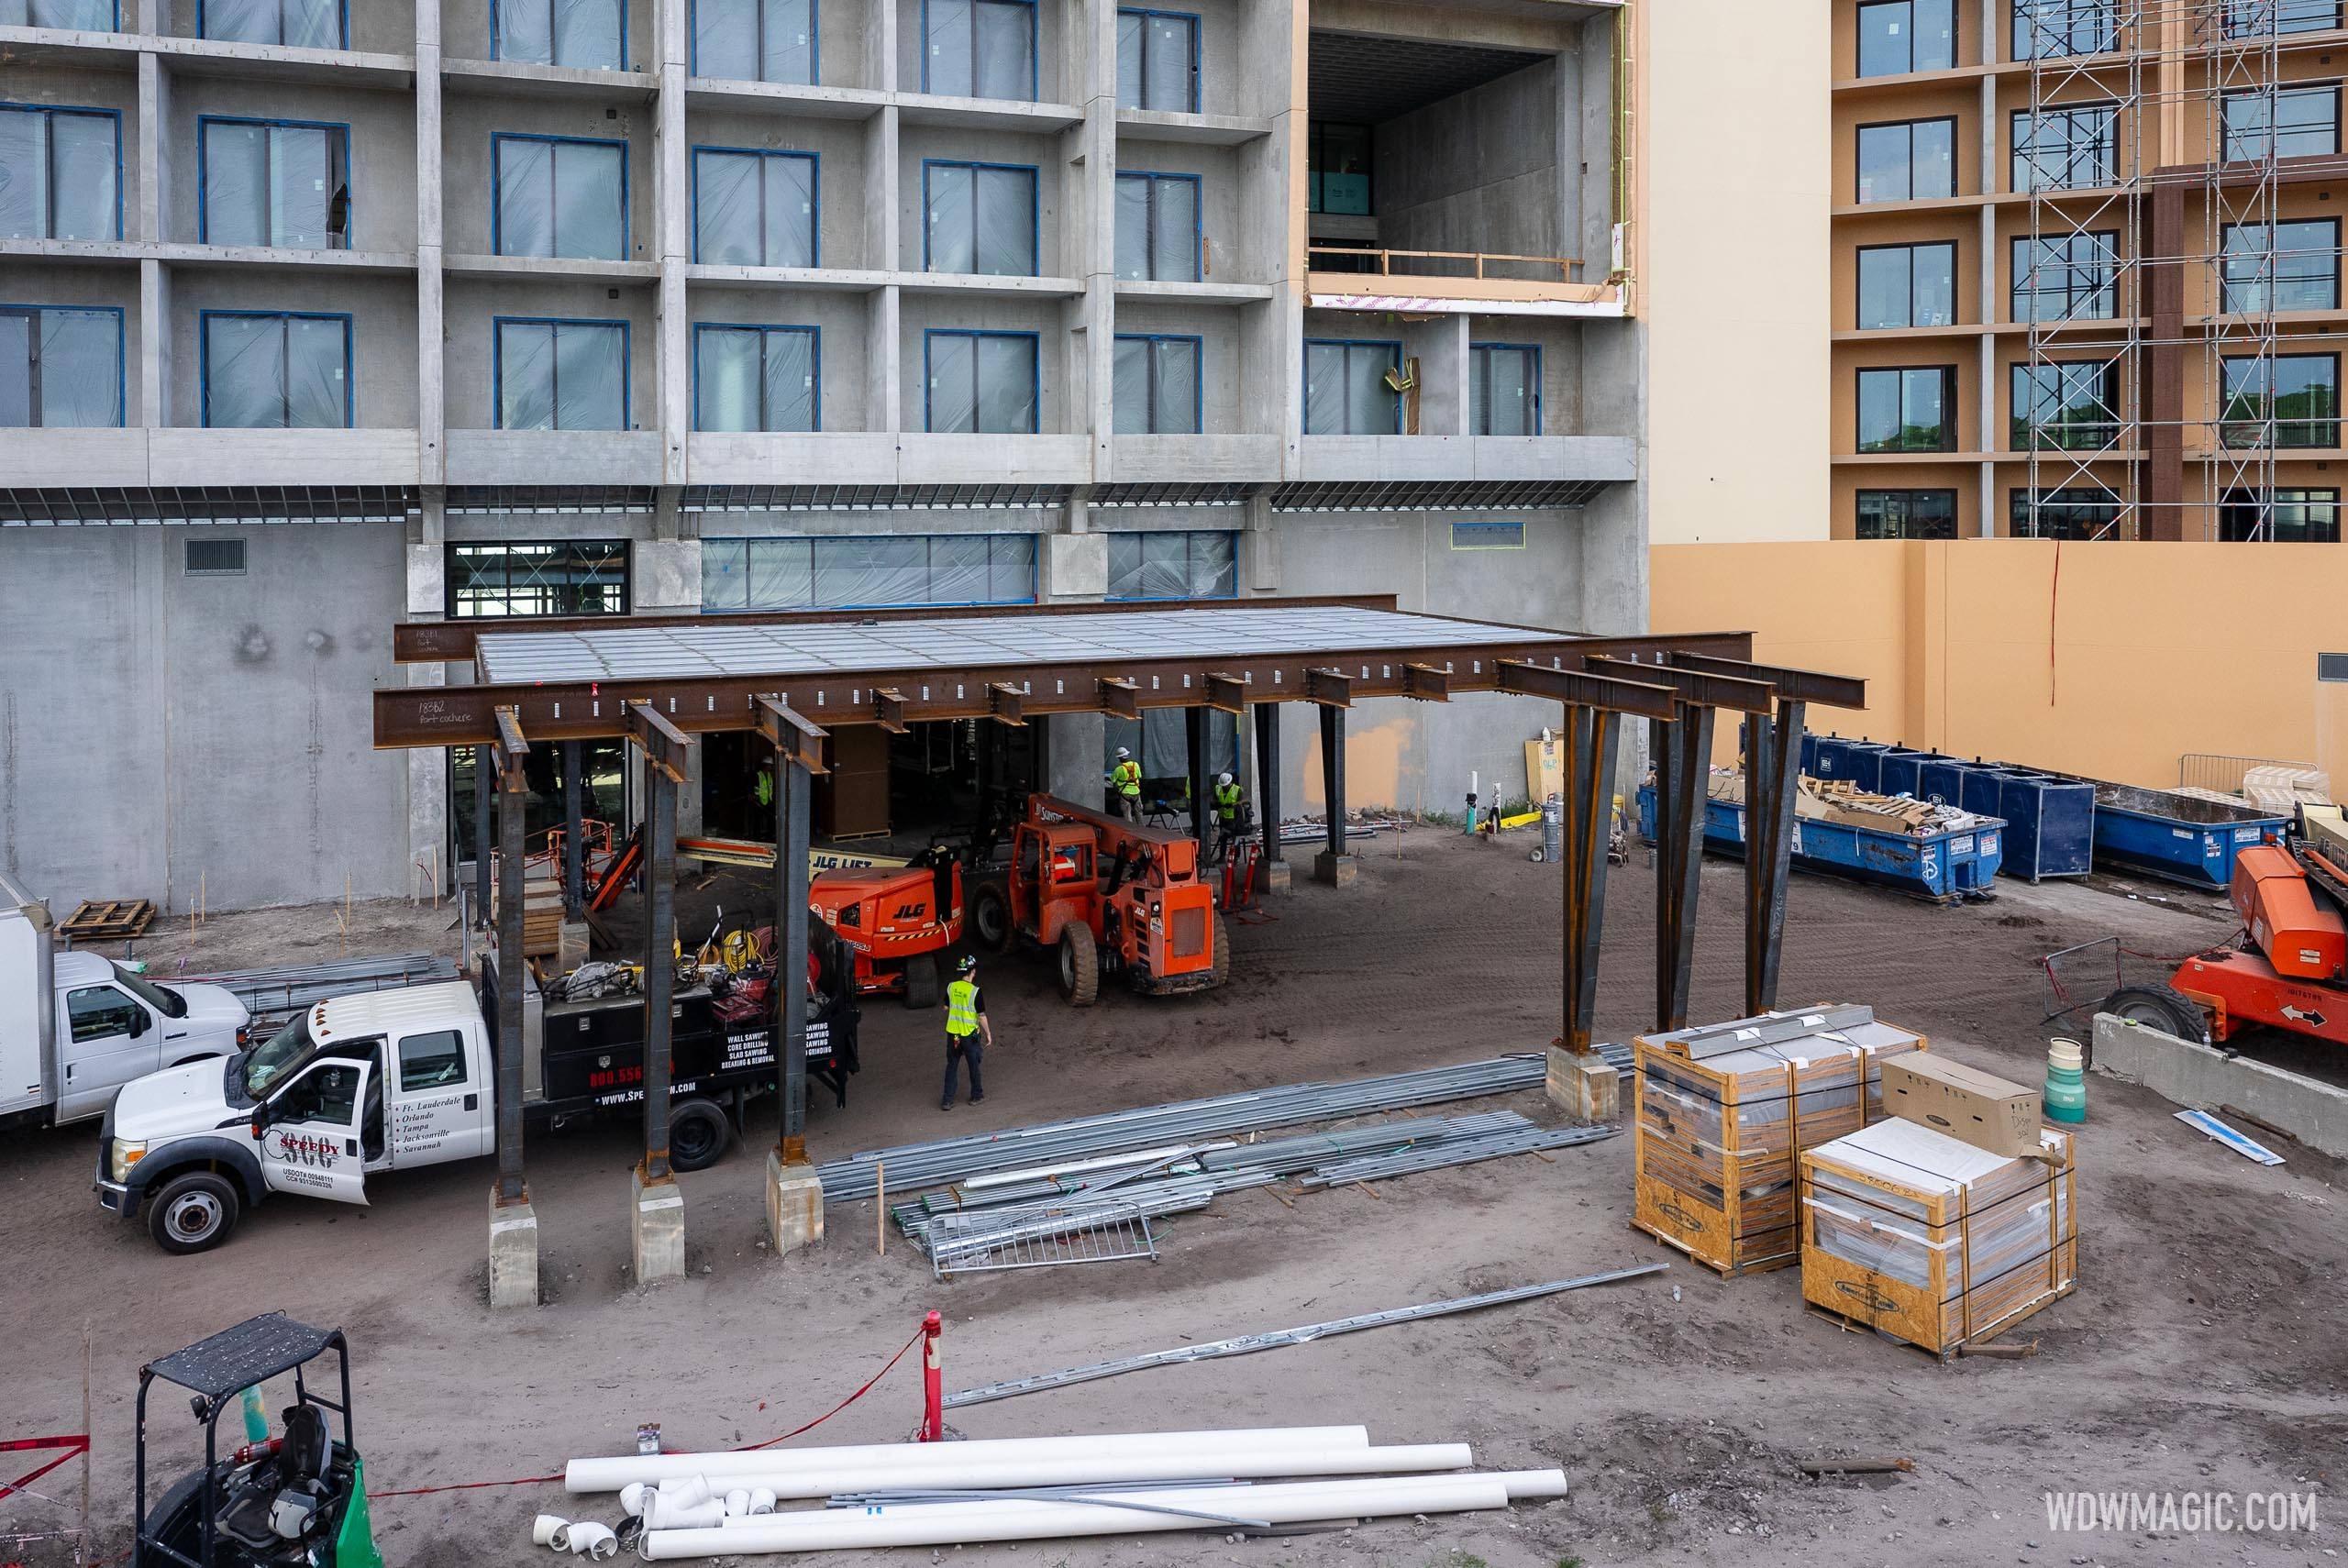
(1125, 778)
(967, 1032)
(1226, 814)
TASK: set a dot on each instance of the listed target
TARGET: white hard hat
(1223, 778)
(1123, 752)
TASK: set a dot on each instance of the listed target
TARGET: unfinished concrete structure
(344, 287)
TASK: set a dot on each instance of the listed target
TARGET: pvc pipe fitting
(685, 1491)
(594, 1542)
(632, 1498)
(763, 1500)
(659, 1513)
(545, 1528)
(738, 1503)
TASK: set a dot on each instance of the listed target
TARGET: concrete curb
(2200, 1078)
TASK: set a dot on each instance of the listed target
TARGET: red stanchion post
(933, 1381)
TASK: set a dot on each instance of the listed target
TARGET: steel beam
(512, 976)
(1194, 759)
(1330, 688)
(1267, 785)
(1005, 702)
(1426, 683)
(483, 777)
(1578, 688)
(1589, 736)
(1692, 686)
(1798, 685)
(660, 962)
(512, 752)
(1120, 697)
(1333, 775)
(1772, 791)
(662, 743)
(889, 710)
(574, 852)
(1680, 860)
(1227, 693)
(793, 786)
(791, 734)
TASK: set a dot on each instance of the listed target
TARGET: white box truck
(76, 1027)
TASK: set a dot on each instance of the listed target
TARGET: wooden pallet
(114, 919)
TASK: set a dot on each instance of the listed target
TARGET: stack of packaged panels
(1723, 1111)
(1913, 1234)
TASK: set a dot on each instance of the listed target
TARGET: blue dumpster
(1860, 761)
(1947, 866)
(1897, 775)
(2050, 824)
(1810, 752)
(2179, 838)
(1941, 779)
(1978, 793)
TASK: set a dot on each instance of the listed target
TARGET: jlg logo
(907, 912)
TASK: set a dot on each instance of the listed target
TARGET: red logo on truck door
(304, 1149)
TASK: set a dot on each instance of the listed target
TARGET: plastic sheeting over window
(1196, 565)
(560, 576)
(754, 209)
(1156, 386)
(82, 16)
(1158, 228)
(556, 197)
(276, 372)
(979, 218)
(763, 40)
(59, 171)
(983, 383)
(271, 184)
(562, 375)
(1157, 61)
(886, 571)
(755, 378)
(978, 49)
(301, 24)
(1160, 738)
(59, 368)
(586, 35)
(1504, 388)
(1345, 392)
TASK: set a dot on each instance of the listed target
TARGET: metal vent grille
(563, 500)
(2332, 667)
(1171, 495)
(214, 558)
(871, 497)
(252, 506)
(1464, 495)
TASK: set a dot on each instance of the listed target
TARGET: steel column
(1589, 736)
(481, 766)
(1267, 784)
(1773, 787)
(1680, 857)
(792, 788)
(513, 970)
(1194, 743)
(659, 965)
(1332, 774)
(574, 858)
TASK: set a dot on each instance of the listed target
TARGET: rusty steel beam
(1425, 683)
(460, 715)
(1226, 693)
(1586, 690)
(789, 733)
(1120, 697)
(1005, 702)
(512, 752)
(454, 642)
(1792, 685)
(662, 743)
(1694, 688)
(1330, 688)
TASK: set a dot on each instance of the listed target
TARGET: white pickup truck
(76, 1027)
(383, 1081)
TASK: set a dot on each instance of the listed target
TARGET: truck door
(437, 1111)
(312, 1142)
(111, 1039)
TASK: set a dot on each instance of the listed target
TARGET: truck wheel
(1221, 951)
(192, 1213)
(921, 981)
(1080, 965)
(2157, 1007)
(698, 1134)
(990, 919)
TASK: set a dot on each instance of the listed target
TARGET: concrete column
(1091, 229)
(672, 226)
(154, 153)
(431, 330)
(154, 345)
(430, 869)
(1440, 346)
(1259, 544)
(883, 374)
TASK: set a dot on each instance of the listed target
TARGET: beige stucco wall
(1737, 116)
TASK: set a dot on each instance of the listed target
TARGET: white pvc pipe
(737, 1502)
(598, 1474)
(659, 1513)
(946, 1524)
(594, 1542)
(762, 1499)
(950, 1472)
(544, 1528)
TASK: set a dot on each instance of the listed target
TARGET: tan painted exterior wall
(1735, 115)
(2111, 659)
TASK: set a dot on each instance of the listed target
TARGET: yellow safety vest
(1126, 776)
(961, 1007)
(1227, 802)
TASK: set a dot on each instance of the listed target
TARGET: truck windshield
(162, 999)
(270, 1060)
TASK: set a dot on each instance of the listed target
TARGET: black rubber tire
(2159, 1007)
(699, 1133)
(193, 1212)
(1080, 965)
(990, 925)
(1221, 951)
(921, 981)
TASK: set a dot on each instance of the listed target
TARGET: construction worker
(967, 1032)
(1125, 778)
(1226, 814)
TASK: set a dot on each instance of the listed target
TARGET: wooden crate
(1908, 1231)
(1714, 1135)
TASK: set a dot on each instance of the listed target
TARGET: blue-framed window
(1156, 385)
(276, 369)
(1192, 564)
(1158, 61)
(979, 217)
(1347, 389)
(61, 173)
(61, 367)
(981, 382)
(584, 35)
(757, 378)
(756, 40)
(753, 208)
(279, 183)
(558, 195)
(979, 49)
(555, 373)
(78, 16)
(299, 24)
(888, 571)
(2290, 122)
(1504, 388)
(1157, 227)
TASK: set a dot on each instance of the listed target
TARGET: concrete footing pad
(794, 1204)
(2199, 1078)
(1273, 877)
(513, 1253)
(657, 1227)
(1585, 1086)
(1334, 870)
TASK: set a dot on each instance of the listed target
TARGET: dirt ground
(2204, 1351)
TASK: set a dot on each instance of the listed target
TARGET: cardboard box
(1966, 1103)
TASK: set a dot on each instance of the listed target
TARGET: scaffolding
(2151, 155)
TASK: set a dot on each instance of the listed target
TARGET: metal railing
(2214, 770)
(1483, 266)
